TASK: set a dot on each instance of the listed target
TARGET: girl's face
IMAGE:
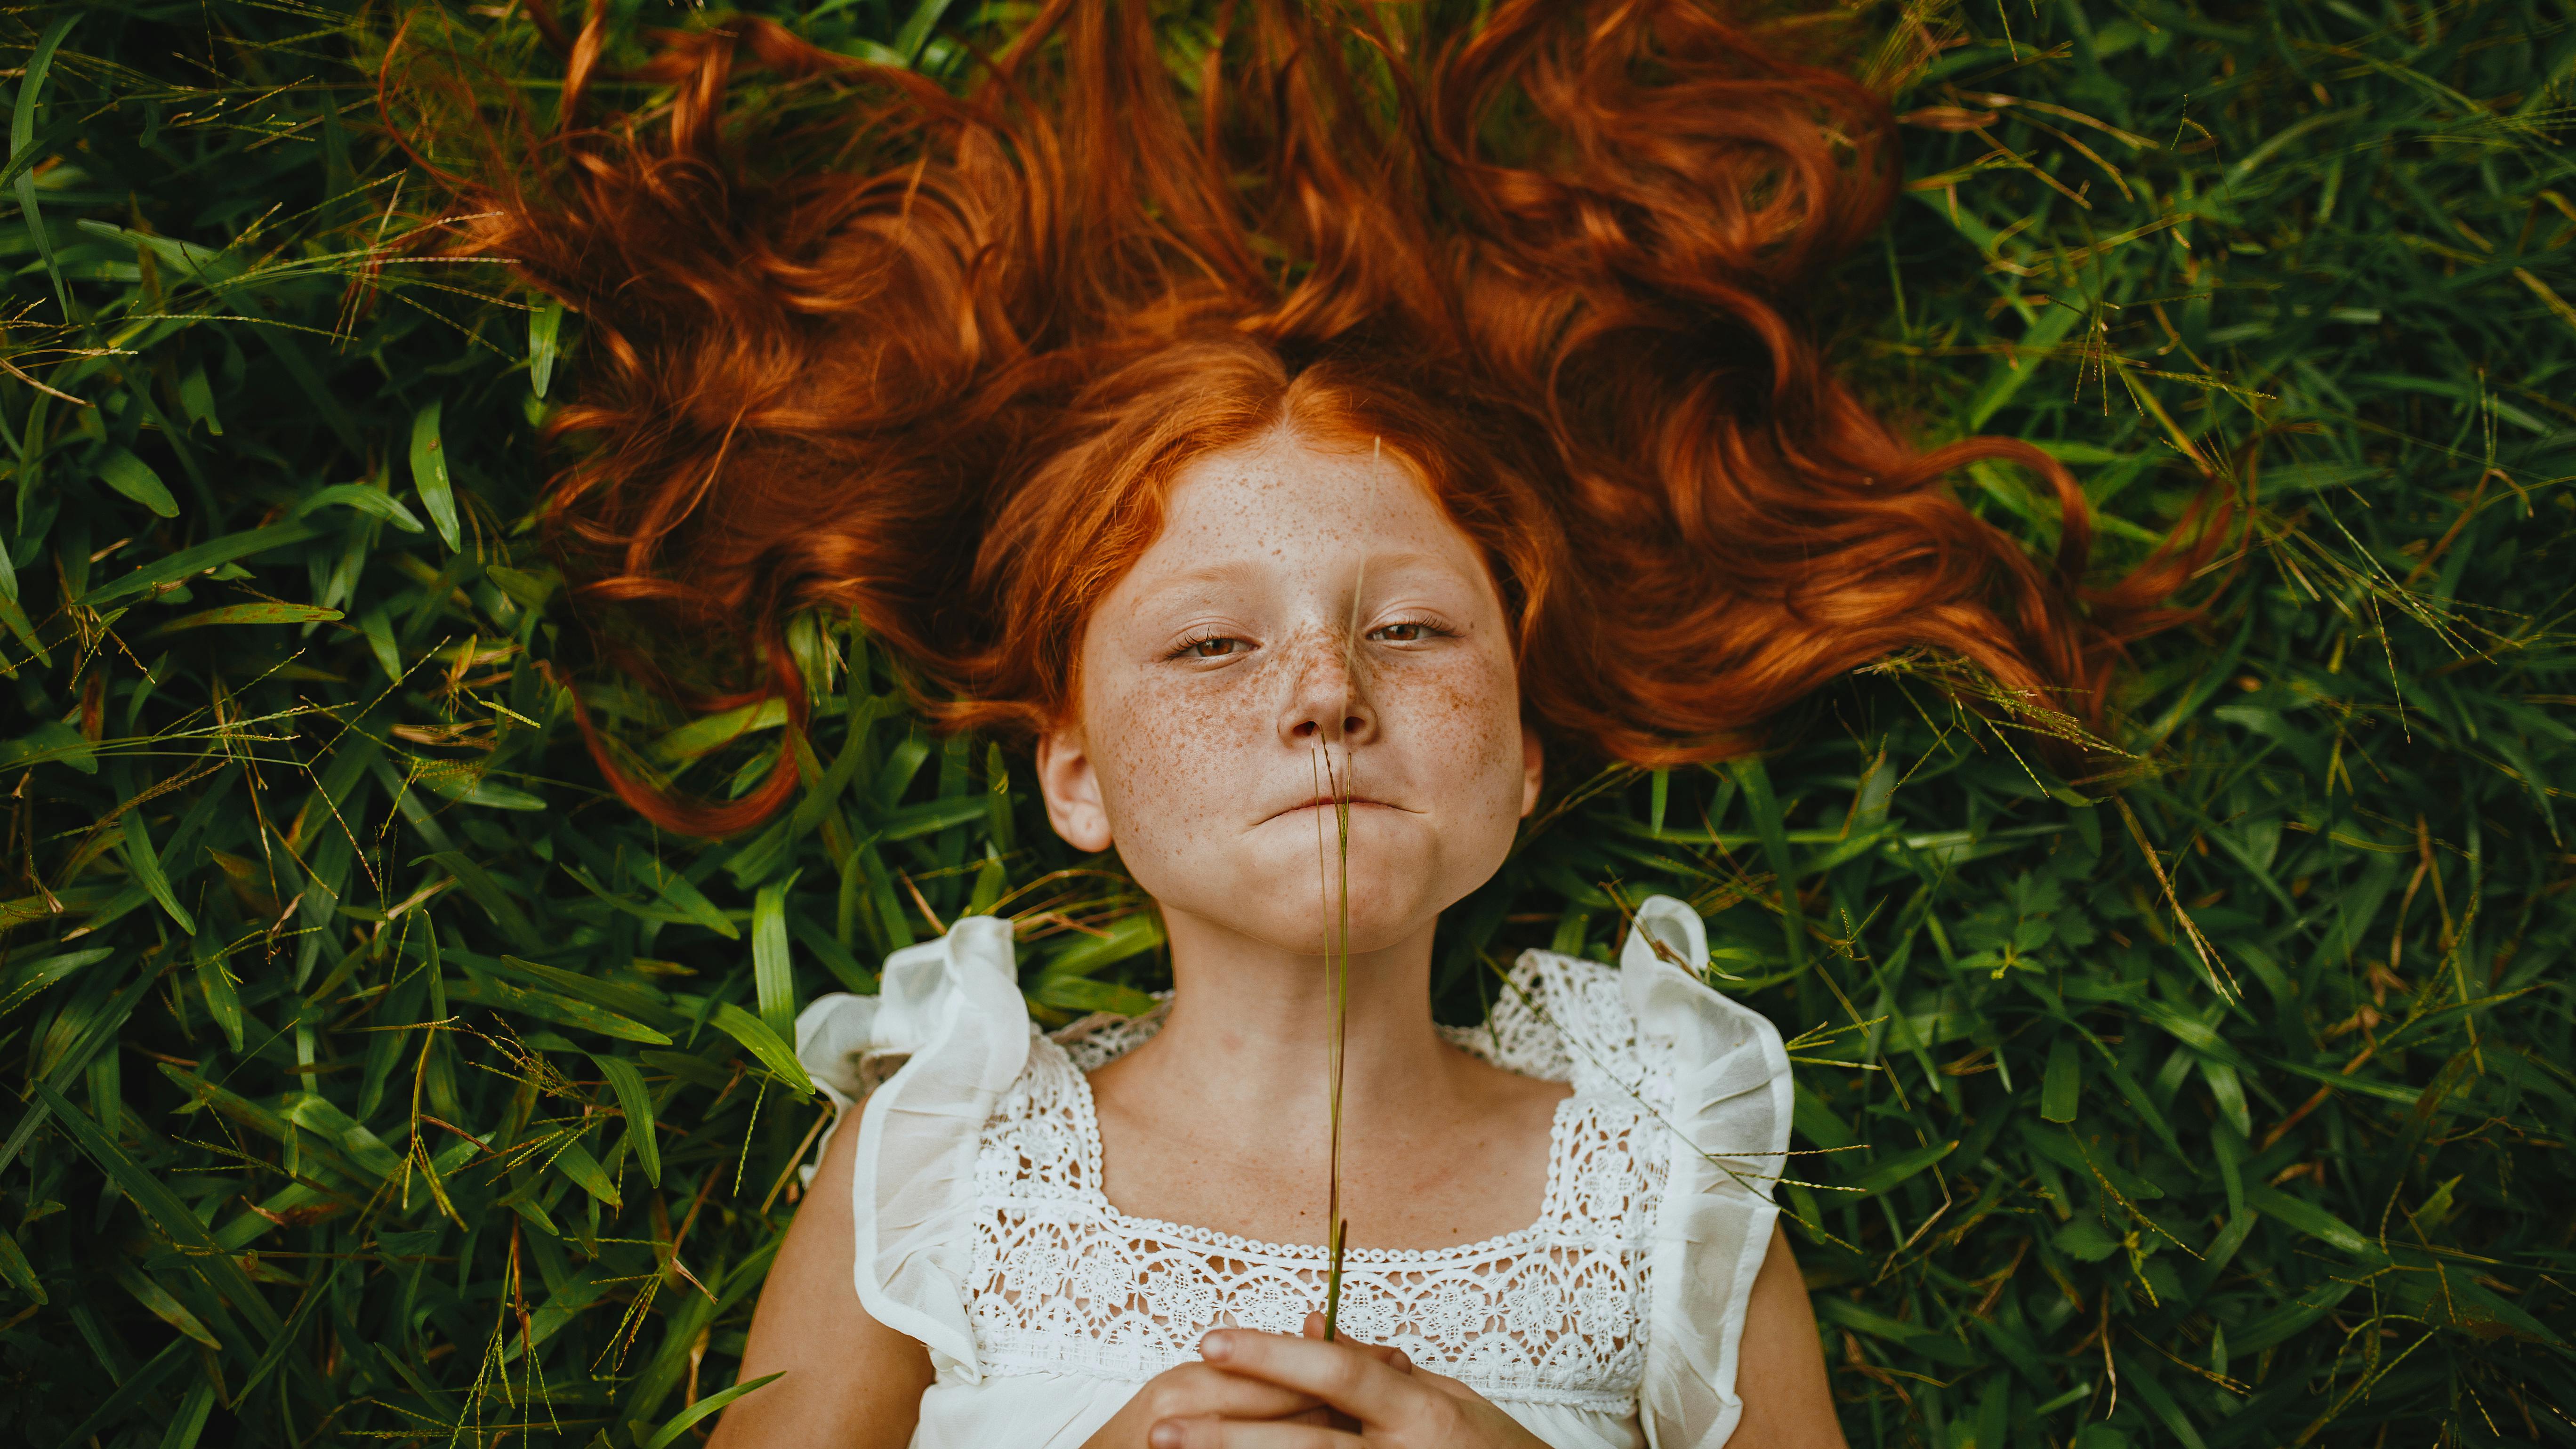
(1298, 602)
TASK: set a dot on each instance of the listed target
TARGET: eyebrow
(1187, 578)
(1374, 564)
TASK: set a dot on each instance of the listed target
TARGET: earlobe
(1071, 786)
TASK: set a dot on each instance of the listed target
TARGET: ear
(1532, 767)
(1071, 785)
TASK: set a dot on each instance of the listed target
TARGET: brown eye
(1212, 648)
(1415, 625)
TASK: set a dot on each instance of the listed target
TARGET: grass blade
(429, 473)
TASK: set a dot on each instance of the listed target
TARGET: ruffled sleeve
(950, 1012)
(1730, 1113)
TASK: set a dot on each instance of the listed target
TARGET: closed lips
(1326, 802)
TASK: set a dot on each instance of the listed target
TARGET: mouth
(1326, 802)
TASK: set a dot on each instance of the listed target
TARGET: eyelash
(1211, 637)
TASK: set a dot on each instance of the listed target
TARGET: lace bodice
(1611, 1321)
(1551, 1313)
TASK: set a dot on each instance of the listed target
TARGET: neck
(1251, 1025)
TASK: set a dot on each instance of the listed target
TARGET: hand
(1204, 1391)
(1382, 1400)
(1201, 1391)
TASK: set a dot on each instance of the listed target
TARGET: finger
(1201, 1389)
(1447, 1385)
(1214, 1433)
(1355, 1381)
(1386, 1354)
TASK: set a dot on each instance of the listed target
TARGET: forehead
(1283, 503)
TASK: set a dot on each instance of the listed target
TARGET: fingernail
(1164, 1436)
(1214, 1346)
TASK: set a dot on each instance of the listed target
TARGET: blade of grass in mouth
(1337, 959)
(1337, 1230)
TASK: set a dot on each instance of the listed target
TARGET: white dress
(1610, 1322)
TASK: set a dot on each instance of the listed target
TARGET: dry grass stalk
(1338, 784)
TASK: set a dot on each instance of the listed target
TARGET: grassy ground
(375, 1076)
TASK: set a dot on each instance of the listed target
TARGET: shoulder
(1723, 1062)
(1720, 1074)
(1105, 1036)
(948, 1010)
(1682, 1105)
(1039, 1140)
(1647, 1030)
(935, 1053)
(1556, 1017)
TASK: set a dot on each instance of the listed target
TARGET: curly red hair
(944, 378)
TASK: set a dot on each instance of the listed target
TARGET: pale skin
(1303, 602)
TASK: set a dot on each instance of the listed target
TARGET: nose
(1327, 699)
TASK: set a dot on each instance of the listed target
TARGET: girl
(1561, 1216)
(1298, 405)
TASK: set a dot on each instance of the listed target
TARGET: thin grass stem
(1338, 961)
(1340, 1228)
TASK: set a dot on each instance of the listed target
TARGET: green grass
(374, 1076)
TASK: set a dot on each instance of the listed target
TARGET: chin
(1301, 933)
(1284, 904)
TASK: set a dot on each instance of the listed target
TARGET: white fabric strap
(953, 1007)
(1730, 1115)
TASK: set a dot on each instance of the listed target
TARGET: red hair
(943, 373)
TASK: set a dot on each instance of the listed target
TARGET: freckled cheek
(1470, 716)
(1164, 756)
